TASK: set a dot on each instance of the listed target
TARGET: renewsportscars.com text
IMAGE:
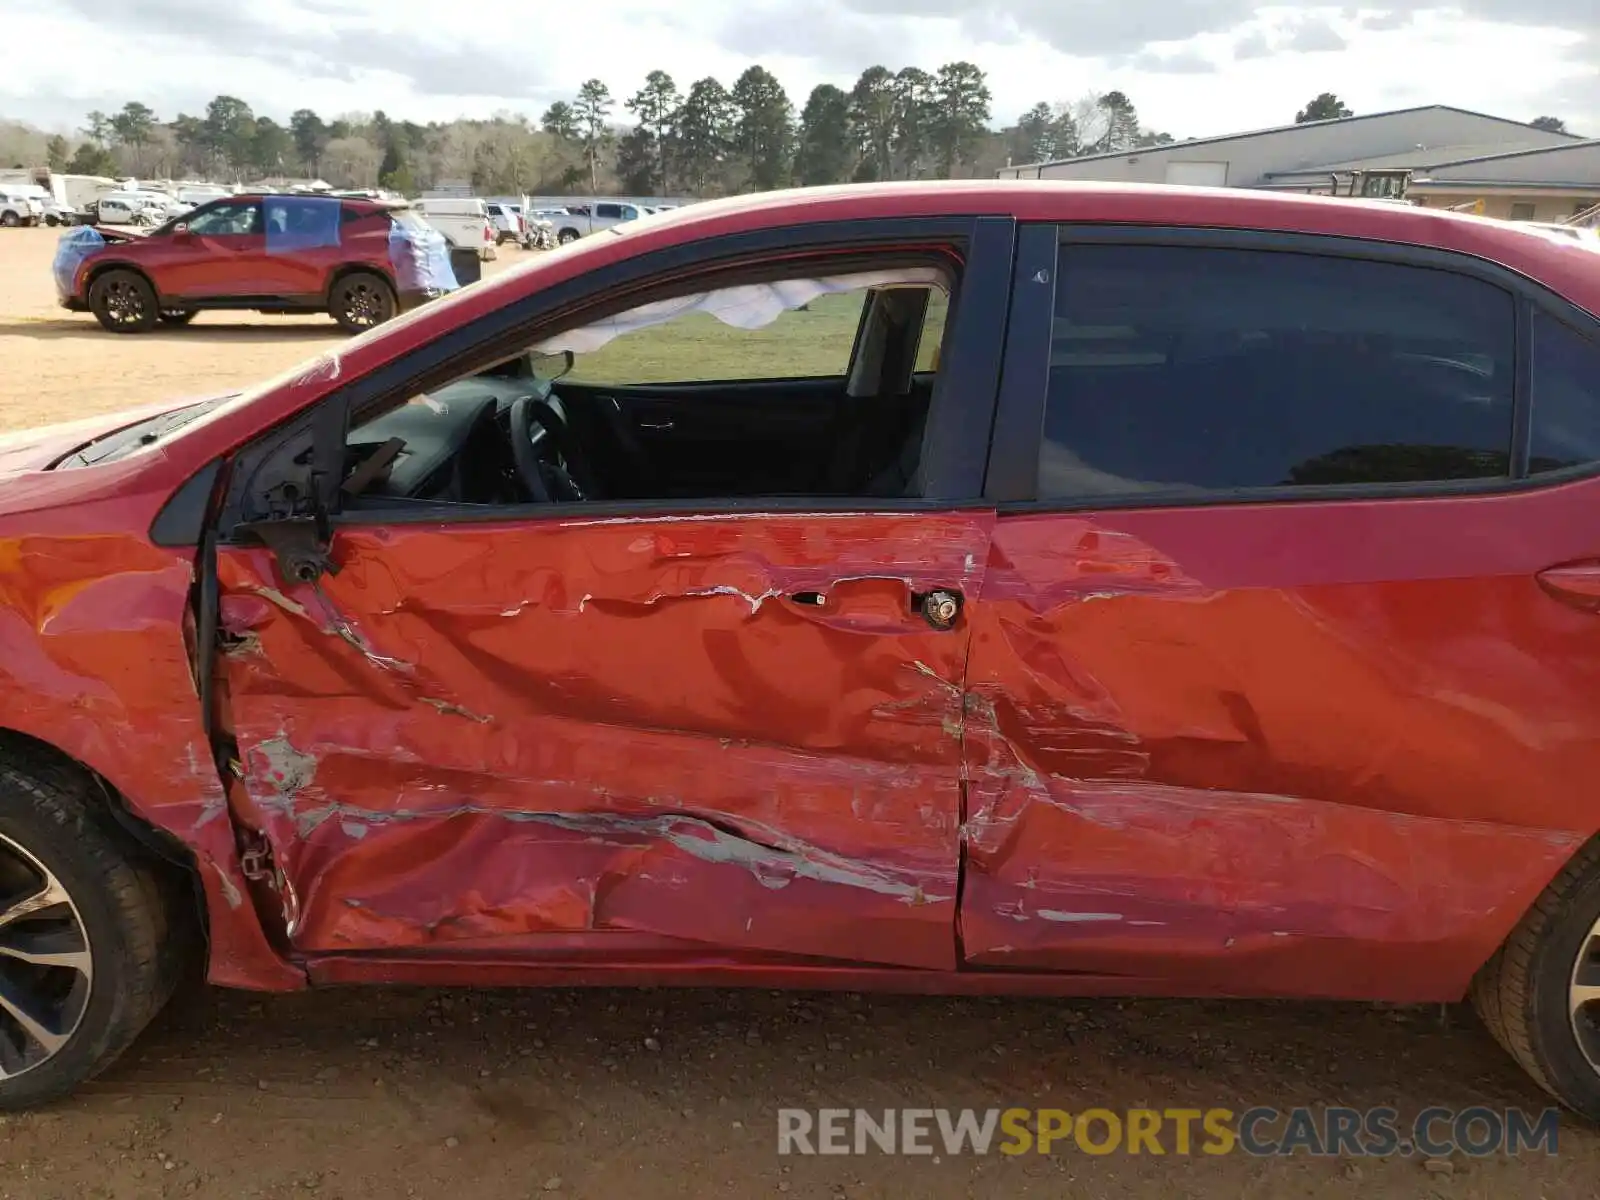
(1259, 1131)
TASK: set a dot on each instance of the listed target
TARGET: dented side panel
(95, 661)
(1325, 749)
(647, 725)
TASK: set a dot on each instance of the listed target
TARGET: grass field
(804, 343)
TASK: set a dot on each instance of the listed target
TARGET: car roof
(1572, 272)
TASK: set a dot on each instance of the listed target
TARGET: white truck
(19, 208)
(465, 222)
(581, 219)
(48, 190)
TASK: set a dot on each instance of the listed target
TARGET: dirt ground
(649, 1095)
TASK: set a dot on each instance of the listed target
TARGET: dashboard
(454, 444)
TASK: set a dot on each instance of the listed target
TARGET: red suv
(360, 261)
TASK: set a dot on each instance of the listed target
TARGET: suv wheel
(361, 301)
(10, 220)
(1540, 994)
(87, 951)
(124, 302)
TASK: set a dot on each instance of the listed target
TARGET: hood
(36, 449)
(120, 233)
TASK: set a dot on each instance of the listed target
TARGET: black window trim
(1011, 482)
(956, 439)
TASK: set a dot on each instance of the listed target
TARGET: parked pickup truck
(580, 219)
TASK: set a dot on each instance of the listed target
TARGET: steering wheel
(562, 475)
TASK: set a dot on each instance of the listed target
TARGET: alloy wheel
(1583, 997)
(124, 303)
(363, 306)
(46, 968)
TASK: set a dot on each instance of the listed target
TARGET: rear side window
(1200, 370)
(1566, 397)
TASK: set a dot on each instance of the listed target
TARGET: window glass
(713, 339)
(933, 326)
(1566, 397)
(788, 387)
(1196, 370)
(607, 210)
(226, 219)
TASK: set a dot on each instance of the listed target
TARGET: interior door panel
(720, 438)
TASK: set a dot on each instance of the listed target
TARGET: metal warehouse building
(1434, 155)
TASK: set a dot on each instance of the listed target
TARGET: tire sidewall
(97, 304)
(80, 860)
(1554, 1043)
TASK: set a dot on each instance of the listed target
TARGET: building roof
(1294, 125)
(1421, 158)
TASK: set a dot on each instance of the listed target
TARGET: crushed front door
(739, 730)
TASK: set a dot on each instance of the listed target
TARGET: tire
(567, 235)
(1523, 993)
(124, 302)
(178, 316)
(361, 301)
(10, 220)
(117, 907)
(52, 220)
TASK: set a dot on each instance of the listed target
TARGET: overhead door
(1198, 174)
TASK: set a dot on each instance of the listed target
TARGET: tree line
(704, 139)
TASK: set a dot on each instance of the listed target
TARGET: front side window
(788, 329)
(607, 210)
(1193, 370)
(226, 220)
(807, 386)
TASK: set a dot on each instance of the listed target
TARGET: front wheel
(88, 952)
(10, 220)
(124, 302)
(361, 301)
(1540, 994)
(567, 235)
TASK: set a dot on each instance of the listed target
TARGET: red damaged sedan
(944, 588)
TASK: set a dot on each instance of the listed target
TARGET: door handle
(940, 608)
(1576, 584)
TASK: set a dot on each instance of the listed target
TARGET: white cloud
(1516, 58)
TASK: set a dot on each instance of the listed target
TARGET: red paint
(1327, 749)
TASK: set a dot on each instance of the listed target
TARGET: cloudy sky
(1193, 67)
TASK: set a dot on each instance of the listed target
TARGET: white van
(466, 224)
